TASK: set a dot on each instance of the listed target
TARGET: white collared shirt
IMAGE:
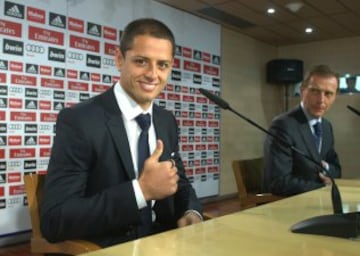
(130, 110)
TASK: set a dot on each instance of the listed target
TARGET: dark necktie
(317, 134)
(144, 122)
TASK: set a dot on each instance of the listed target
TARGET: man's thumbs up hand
(158, 179)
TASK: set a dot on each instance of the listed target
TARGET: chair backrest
(34, 187)
(248, 175)
(249, 180)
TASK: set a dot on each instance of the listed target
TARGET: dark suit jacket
(287, 172)
(88, 192)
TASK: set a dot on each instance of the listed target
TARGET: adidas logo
(30, 141)
(3, 65)
(31, 105)
(58, 106)
(57, 21)
(2, 141)
(3, 103)
(60, 72)
(85, 76)
(94, 29)
(32, 69)
(15, 10)
(106, 79)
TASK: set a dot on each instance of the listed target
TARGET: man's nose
(151, 71)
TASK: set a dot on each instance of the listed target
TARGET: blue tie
(317, 134)
(144, 121)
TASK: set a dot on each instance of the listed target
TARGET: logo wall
(50, 61)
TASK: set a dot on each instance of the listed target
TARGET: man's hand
(325, 179)
(158, 179)
(323, 176)
(188, 219)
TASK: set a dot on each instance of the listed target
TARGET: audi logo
(15, 126)
(75, 56)
(35, 48)
(15, 90)
(14, 164)
(109, 62)
(43, 161)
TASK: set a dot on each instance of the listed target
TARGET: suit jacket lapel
(326, 137)
(117, 130)
(160, 130)
(307, 136)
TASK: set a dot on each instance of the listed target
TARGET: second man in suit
(286, 171)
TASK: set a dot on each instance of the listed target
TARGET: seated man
(287, 172)
(115, 173)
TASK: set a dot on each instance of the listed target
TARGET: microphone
(323, 225)
(353, 110)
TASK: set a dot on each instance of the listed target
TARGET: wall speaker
(284, 71)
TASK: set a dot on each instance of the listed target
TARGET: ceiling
(330, 19)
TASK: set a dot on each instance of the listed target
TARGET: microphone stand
(337, 224)
(353, 110)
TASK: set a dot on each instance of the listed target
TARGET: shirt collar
(129, 108)
(311, 120)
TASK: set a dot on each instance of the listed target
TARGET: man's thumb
(158, 151)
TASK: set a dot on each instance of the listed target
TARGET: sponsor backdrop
(54, 54)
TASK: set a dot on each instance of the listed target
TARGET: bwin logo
(84, 96)
(176, 75)
(59, 95)
(56, 54)
(93, 61)
(32, 93)
(2, 166)
(30, 128)
(197, 79)
(3, 90)
(3, 128)
(13, 47)
(34, 48)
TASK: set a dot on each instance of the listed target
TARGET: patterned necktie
(144, 121)
(317, 135)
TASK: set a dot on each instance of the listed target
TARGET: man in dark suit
(287, 172)
(95, 187)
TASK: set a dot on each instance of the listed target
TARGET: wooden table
(263, 230)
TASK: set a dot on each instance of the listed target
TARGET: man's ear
(118, 57)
